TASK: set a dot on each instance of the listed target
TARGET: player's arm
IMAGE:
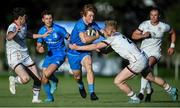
(138, 34)
(40, 48)
(90, 47)
(35, 36)
(12, 33)
(88, 39)
(173, 40)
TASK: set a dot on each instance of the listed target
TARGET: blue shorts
(75, 60)
(57, 60)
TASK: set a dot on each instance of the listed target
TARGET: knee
(44, 80)
(117, 82)
(77, 76)
(25, 79)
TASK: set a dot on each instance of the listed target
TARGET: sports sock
(167, 88)
(47, 90)
(36, 94)
(53, 78)
(91, 88)
(132, 95)
(80, 84)
(143, 85)
(148, 87)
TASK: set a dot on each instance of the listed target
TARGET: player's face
(48, 20)
(109, 30)
(154, 16)
(89, 17)
(22, 19)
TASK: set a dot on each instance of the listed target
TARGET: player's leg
(143, 87)
(75, 65)
(35, 75)
(78, 77)
(21, 78)
(47, 72)
(87, 63)
(152, 61)
(53, 82)
(121, 82)
(172, 91)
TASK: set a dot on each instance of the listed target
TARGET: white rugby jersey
(156, 32)
(18, 42)
(123, 46)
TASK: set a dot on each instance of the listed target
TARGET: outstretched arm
(35, 36)
(90, 47)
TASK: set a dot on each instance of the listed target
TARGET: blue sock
(80, 83)
(47, 90)
(53, 78)
(91, 88)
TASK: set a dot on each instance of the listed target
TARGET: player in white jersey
(137, 61)
(17, 54)
(151, 32)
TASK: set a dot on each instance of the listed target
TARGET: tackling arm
(90, 47)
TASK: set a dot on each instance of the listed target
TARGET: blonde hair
(111, 23)
(88, 7)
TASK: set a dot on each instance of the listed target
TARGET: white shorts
(139, 64)
(154, 53)
(19, 57)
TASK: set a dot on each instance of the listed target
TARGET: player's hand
(41, 49)
(73, 46)
(47, 33)
(146, 35)
(170, 51)
(97, 34)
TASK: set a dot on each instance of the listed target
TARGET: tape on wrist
(172, 45)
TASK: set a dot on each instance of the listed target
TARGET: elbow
(133, 37)
(9, 39)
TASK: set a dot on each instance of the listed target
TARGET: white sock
(167, 88)
(131, 93)
(35, 94)
(148, 87)
(18, 80)
(143, 85)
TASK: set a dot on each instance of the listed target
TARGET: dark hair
(155, 9)
(46, 12)
(88, 7)
(18, 11)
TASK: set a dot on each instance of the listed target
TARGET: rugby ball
(91, 32)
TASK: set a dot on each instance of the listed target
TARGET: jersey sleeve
(11, 28)
(107, 41)
(62, 31)
(167, 28)
(141, 26)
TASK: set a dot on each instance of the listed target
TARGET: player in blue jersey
(77, 59)
(56, 53)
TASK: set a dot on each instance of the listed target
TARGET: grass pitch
(67, 94)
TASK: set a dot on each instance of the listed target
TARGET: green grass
(67, 94)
